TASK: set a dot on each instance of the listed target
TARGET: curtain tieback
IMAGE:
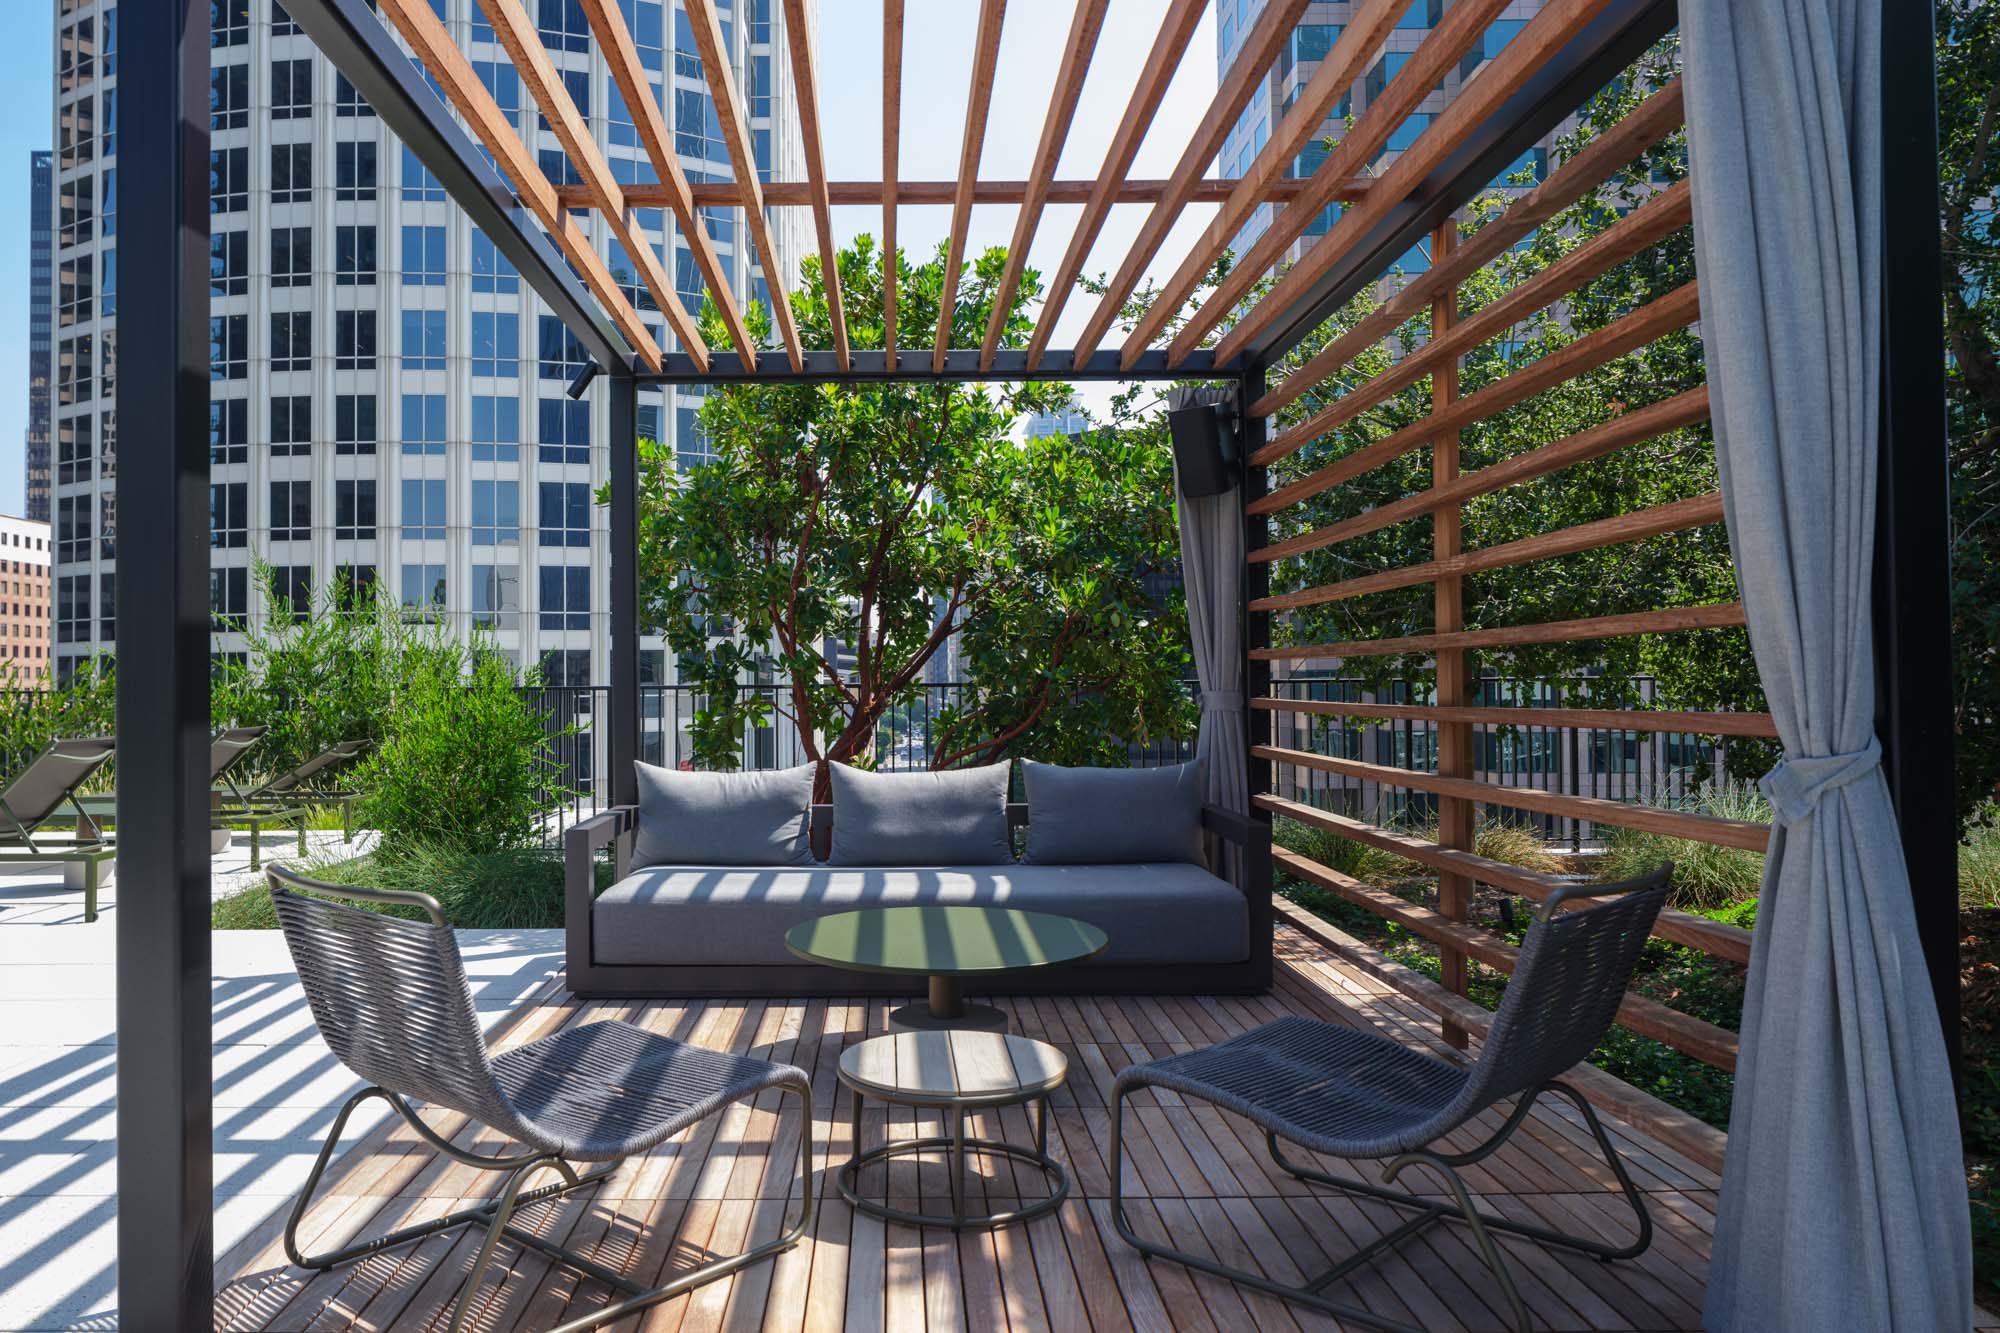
(1795, 786)
(1222, 701)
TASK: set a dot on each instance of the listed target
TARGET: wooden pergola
(437, 105)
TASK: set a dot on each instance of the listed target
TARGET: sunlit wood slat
(892, 123)
(1717, 615)
(978, 102)
(799, 40)
(987, 190)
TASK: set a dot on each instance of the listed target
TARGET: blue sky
(938, 48)
(24, 127)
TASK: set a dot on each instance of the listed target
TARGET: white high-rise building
(388, 399)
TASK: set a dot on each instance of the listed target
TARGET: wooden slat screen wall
(1458, 792)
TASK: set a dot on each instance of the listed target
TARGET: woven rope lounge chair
(1353, 1094)
(391, 999)
(37, 794)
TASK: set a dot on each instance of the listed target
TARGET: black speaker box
(1204, 448)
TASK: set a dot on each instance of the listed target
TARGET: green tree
(1968, 72)
(844, 534)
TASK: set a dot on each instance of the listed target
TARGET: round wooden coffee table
(946, 944)
(956, 1071)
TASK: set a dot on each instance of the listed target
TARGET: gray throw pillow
(953, 818)
(1100, 816)
(724, 819)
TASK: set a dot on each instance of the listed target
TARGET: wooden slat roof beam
(1077, 51)
(978, 102)
(1507, 73)
(1246, 73)
(1648, 123)
(440, 56)
(1177, 28)
(892, 148)
(614, 38)
(516, 32)
(1360, 43)
(743, 159)
(798, 39)
(871, 193)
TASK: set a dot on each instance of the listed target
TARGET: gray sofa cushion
(663, 915)
(1079, 816)
(954, 818)
(724, 819)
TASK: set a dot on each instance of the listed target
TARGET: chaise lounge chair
(1354, 1094)
(225, 750)
(291, 791)
(36, 796)
(391, 999)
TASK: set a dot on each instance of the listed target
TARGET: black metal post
(165, 1244)
(622, 746)
(1256, 630)
(1913, 505)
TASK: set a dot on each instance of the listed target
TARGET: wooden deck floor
(1200, 1178)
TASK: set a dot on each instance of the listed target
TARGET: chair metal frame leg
(1428, 1211)
(497, 1216)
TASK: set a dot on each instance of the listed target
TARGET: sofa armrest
(581, 844)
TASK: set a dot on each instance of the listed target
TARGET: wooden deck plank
(1196, 1176)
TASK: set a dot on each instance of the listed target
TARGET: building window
(563, 25)
(347, 99)
(565, 433)
(291, 340)
(354, 508)
(73, 379)
(496, 429)
(75, 211)
(228, 180)
(107, 606)
(228, 430)
(73, 290)
(228, 598)
(354, 423)
(228, 263)
(73, 608)
(228, 97)
(500, 77)
(291, 89)
(76, 56)
(228, 514)
(354, 256)
(496, 343)
(423, 423)
(423, 256)
(354, 171)
(496, 596)
(419, 186)
(423, 587)
(291, 426)
(565, 516)
(229, 22)
(72, 528)
(562, 356)
(423, 509)
(291, 592)
(353, 585)
(291, 173)
(228, 347)
(496, 513)
(423, 340)
(354, 340)
(565, 602)
(291, 511)
(491, 270)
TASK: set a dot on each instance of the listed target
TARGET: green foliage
(1496, 839)
(1979, 864)
(1706, 877)
(32, 714)
(463, 766)
(883, 520)
(1968, 73)
(517, 889)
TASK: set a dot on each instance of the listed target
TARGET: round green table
(947, 945)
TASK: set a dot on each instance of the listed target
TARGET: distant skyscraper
(1310, 42)
(387, 403)
(41, 182)
(1069, 419)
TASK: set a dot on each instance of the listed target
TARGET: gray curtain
(1212, 565)
(1843, 1199)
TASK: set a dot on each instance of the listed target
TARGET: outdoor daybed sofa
(708, 872)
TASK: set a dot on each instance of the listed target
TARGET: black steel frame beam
(165, 1150)
(961, 367)
(1913, 505)
(1596, 56)
(622, 747)
(353, 37)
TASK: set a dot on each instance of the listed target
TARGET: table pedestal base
(946, 1008)
(955, 1146)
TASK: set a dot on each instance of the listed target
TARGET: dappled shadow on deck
(1197, 1177)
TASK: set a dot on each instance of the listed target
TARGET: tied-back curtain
(1843, 1197)
(1212, 567)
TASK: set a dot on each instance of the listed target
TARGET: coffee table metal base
(945, 1007)
(955, 1145)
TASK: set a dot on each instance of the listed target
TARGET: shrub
(1496, 839)
(517, 889)
(1979, 867)
(463, 765)
(1705, 876)
(32, 713)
